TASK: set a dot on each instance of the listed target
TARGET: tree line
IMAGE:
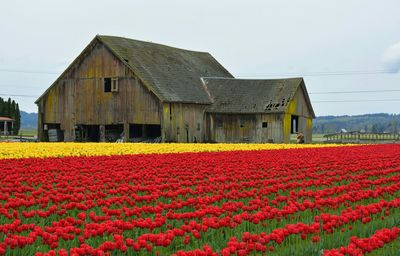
(9, 108)
(376, 123)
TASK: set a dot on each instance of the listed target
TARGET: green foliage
(10, 109)
(369, 123)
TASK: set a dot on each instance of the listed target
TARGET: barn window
(264, 124)
(107, 84)
(198, 126)
(242, 123)
(294, 127)
(114, 84)
(219, 123)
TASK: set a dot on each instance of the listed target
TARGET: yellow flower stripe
(27, 150)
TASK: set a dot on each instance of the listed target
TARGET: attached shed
(258, 111)
(120, 88)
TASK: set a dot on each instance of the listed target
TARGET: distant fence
(361, 137)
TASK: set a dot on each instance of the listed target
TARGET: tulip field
(199, 199)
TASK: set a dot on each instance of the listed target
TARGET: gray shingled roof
(251, 96)
(174, 74)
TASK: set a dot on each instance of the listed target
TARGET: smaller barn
(258, 111)
(6, 125)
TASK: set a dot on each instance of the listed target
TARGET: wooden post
(126, 132)
(102, 129)
(144, 131)
(5, 128)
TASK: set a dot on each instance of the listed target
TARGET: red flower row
(148, 201)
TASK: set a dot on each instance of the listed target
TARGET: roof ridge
(150, 43)
(250, 79)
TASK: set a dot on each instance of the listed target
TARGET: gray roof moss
(251, 96)
(174, 74)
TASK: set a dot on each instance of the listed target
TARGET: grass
(316, 138)
(28, 132)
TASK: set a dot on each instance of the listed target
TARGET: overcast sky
(337, 46)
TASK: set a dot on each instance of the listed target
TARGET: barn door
(219, 131)
(244, 130)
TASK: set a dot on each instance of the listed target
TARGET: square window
(107, 84)
(264, 124)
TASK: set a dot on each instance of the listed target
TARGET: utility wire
(353, 101)
(19, 95)
(320, 101)
(312, 73)
(29, 71)
(344, 92)
(329, 92)
(319, 73)
(313, 101)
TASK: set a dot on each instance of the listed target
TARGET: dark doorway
(294, 127)
(113, 132)
(87, 133)
(152, 130)
(135, 130)
(145, 132)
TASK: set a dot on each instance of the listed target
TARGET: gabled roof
(252, 96)
(173, 74)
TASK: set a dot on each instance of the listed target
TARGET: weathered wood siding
(298, 106)
(233, 128)
(79, 97)
(238, 128)
(183, 122)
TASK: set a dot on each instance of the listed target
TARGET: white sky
(258, 39)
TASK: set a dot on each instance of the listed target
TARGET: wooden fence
(358, 137)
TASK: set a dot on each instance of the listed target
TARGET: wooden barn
(130, 90)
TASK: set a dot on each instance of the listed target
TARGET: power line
(314, 101)
(312, 73)
(320, 73)
(20, 95)
(321, 101)
(329, 92)
(344, 92)
(353, 101)
(29, 71)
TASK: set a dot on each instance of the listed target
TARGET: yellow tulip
(42, 150)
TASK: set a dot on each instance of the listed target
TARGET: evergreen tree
(10, 109)
(1, 106)
(17, 118)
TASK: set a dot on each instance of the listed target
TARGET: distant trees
(369, 123)
(10, 109)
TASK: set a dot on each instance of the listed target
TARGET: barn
(130, 90)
